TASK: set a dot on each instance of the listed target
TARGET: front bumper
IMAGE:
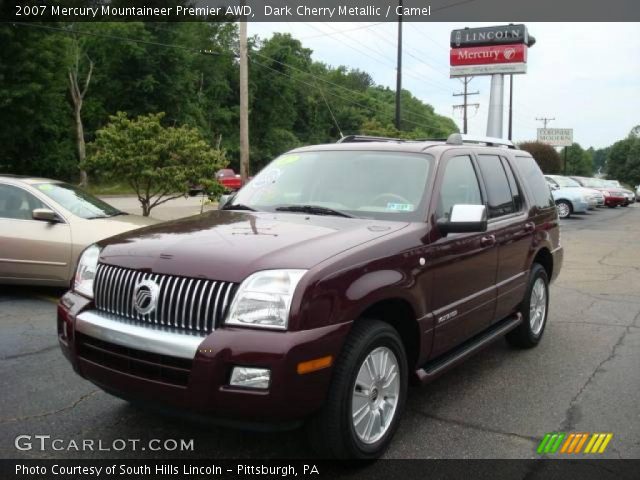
(614, 201)
(580, 206)
(190, 373)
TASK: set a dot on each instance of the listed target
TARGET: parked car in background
(319, 290)
(46, 224)
(629, 194)
(594, 197)
(229, 179)
(568, 200)
(613, 197)
(638, 193)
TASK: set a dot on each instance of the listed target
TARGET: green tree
(159, 163)
(545, 155)
(623, 163)
(579, 162)
(36, 134)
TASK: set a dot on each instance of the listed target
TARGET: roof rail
(367, 138)
(461, 139)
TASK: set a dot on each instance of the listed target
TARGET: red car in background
(612, 196)
(229, 179)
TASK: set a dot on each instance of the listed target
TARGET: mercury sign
(556, 137)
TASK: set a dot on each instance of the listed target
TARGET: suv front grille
(148, 365)
(190, 304)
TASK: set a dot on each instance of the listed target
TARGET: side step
(438, 366)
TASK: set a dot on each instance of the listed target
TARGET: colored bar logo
(573, 443)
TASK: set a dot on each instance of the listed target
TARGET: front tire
(534, 309)
(366, 397)
(564, 208)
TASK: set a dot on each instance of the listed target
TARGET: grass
(110, 189)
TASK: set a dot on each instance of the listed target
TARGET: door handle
(488, 241)
(529, 227)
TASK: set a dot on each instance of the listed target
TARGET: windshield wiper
(239, 206)
(314, 210)
(118, 213)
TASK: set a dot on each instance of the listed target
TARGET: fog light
(250, 377)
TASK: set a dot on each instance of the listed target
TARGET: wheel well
(544, 258)
(400, 315)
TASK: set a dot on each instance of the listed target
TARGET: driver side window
(459, 185)
(17, 204)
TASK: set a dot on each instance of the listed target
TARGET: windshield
(612, 183)
(77, 201)
(565, 182)
(593, 182)
(365, 184)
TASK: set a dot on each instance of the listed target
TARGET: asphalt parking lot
(583, 377)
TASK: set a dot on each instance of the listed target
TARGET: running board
(438, 366)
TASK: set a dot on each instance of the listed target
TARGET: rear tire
(564, 208)
(369, 384)
(534, 309)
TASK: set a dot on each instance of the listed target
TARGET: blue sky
(576, 72)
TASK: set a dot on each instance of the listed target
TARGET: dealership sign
(489, 50)
(556, 137)
(498, 35)
(488, 55)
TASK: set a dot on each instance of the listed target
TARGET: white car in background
(595, 198)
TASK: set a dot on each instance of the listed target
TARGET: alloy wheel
(375, 395)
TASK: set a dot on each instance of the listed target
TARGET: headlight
(86, 271)
(605, 193)
(264, 298)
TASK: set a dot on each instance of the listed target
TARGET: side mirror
(554, 187)
(463, 219)
(45, 215)
(224, 199)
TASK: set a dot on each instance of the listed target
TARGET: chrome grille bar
(190, 304)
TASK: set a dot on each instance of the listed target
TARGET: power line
(544, 120)
(465, 104)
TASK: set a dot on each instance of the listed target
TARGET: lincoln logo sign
(503, 34)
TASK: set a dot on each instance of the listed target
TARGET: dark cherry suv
(322, 288)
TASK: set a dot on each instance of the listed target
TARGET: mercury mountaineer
(316, 293)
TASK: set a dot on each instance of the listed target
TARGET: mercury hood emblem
(145, 296)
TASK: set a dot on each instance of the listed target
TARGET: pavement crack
(53, 412)
(27, 354)
(476, 426)
(572, 415)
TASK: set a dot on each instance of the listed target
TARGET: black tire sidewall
(389, 338)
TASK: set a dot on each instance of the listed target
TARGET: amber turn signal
(316, 364)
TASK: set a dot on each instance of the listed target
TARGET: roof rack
(461, 139)
(367, 138)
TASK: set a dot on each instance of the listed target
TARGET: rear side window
(459, 185)
(500, 198)
(533, 178)
(513, 185)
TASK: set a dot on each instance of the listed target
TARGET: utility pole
(399, 69)
(244, 104)
(510, 137)
(465, 104)
(544, 120)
